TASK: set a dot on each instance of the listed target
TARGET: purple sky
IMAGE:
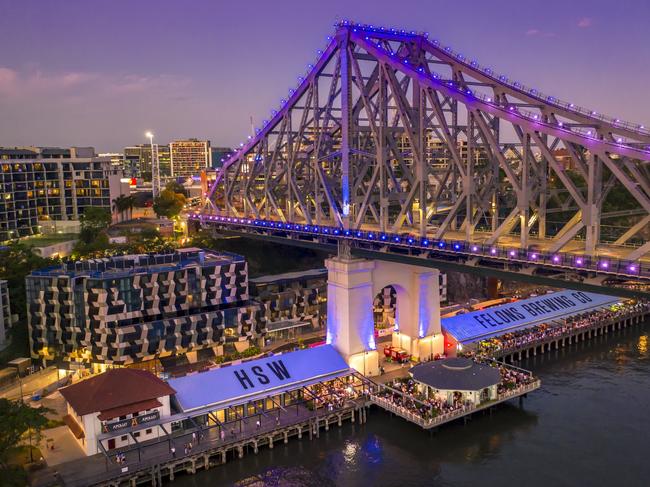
(101, 72)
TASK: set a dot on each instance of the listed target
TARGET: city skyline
(106, 91)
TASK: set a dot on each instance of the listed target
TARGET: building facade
(45, 184)
(293, 304)
(5, 312)
(135, 308)
(95, 413)
(190, 157)
(138, 161)
(219, 156)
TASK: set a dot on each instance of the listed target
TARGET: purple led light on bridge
(579, 261)
(512, 253)
(493, 251)
(604, 264)
(533, 256)
(474, 248)
(556, 259)
(631, 268)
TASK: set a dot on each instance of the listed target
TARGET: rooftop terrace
(125, 265)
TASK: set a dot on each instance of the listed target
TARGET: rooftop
(456, 374)
(257, 378)
(126, 265)
(290, 276)
(115, 390)
(490, 322)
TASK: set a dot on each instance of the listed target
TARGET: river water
(587, 426)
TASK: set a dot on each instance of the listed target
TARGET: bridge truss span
(391, 133)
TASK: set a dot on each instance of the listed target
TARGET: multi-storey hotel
(136, 308)
(43, 184)
(138, 161)
(190, 157)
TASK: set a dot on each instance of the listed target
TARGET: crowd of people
(512, 379)
(549, 331)
(333, 395)
(411, 400)
(404, 394)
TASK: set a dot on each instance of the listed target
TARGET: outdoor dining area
(439, 391)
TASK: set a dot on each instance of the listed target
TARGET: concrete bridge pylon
(352, 285)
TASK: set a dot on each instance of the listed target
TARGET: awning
(487, 323)
(217, 388)
(129, 409)
(75, 428)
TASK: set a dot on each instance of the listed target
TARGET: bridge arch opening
(362, 292)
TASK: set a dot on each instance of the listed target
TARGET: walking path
(88, 470)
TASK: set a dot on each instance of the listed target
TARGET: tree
(18, 420)
(16, 262)
(91, 245)
(177, 188)
(95, 218)
(168, 204)
(122, 204)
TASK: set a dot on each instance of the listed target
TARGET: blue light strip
(444, 247)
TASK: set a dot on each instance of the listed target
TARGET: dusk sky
(100, 73)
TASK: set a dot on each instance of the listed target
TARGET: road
(30, 384)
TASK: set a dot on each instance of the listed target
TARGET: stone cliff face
(462, 287)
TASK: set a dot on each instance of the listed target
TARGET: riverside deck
(464, 412)
(157, 463)
(569, 337)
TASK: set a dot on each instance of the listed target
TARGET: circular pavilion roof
(456, 374)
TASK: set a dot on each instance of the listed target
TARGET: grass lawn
(20, 456)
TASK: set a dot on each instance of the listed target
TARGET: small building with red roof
(118, 408)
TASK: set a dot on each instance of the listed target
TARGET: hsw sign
(262, 374)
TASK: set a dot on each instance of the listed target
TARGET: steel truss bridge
(398, 145)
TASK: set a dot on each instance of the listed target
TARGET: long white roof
(266, 376)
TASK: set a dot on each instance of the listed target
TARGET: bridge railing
(443, 248)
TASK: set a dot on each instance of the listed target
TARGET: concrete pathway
(60, 446)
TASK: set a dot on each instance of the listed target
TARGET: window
(136, 434)
(123, 438)
(148, 431)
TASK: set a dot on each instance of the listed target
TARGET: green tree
(168, 204)
(19, 423)
(91, 245)
(177, 188)
(123, 204)
(95, 218)
(16, 262)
